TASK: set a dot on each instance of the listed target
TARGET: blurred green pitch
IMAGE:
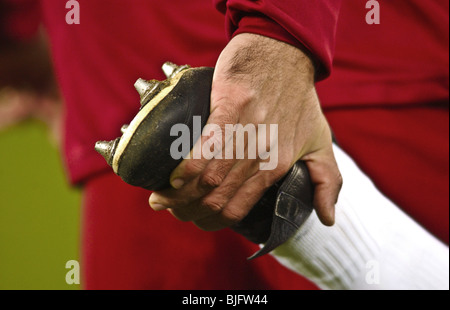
(39, 212)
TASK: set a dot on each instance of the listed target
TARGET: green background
(39, 212)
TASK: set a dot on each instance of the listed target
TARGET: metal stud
(147, 89)
(106, 149)
(142, 86)
(169, 69)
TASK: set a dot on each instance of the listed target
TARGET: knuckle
(334, 179)
(288, 158)
(193, 167)
(282, 168)
(340, 180)
(222, 167)
(210, 180)
(340, 183)
(267, 179)
(212, 205)
(227, 106)
(276, 174)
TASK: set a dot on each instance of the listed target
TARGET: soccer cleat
(142, 155)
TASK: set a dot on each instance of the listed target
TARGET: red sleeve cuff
(266, 27)
(306, 24)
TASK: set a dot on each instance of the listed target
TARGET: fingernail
(154, 204)
(177, 183)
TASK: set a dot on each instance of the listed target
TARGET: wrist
(255, 54)
(266, 27)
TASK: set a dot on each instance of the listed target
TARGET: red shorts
(126, 245)
(405, 151)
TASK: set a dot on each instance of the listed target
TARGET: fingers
(214, 192)
(238, 206)
(205, 180)
(201, 173)
(213, 141)
(232, 204)
(328, 181)
(186, 206)
(211, 204)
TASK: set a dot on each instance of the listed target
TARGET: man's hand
(257, 80)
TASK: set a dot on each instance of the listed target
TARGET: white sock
(373, 244)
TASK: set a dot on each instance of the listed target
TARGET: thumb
(327, 182)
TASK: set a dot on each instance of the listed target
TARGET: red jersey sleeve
(309, 25)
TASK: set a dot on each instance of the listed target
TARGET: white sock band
(373, 244)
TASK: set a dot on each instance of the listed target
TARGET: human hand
(257, 80)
